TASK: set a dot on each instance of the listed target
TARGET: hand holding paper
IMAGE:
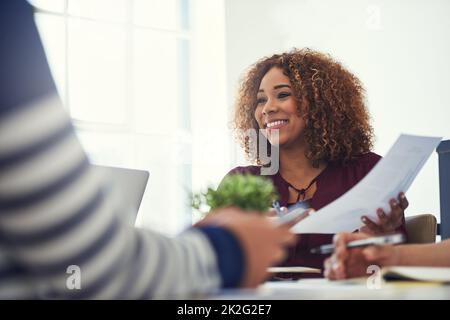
(387, 222)
(392, 175)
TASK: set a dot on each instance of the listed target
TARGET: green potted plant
(248, 192)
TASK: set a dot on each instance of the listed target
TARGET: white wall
(400, 49)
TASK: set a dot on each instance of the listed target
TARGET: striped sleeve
(55, 212)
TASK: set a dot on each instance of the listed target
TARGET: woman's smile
(276, 124)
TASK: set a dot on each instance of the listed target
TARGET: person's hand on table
(350, 263)
(388, 223)
(263, 242)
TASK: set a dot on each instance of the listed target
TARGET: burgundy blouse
(335, 180)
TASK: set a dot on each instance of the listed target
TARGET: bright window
(144, 81)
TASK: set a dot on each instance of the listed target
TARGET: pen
(374, 241)
(276, 206)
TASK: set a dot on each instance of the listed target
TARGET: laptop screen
(128, 187)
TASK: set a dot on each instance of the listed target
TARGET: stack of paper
(428, 274)
(293, 269)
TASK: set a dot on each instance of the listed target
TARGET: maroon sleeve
(367, 162)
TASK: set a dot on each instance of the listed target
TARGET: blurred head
(312, 100)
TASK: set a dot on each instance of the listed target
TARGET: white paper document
(408, 273)
(297, 269)
(390, 176)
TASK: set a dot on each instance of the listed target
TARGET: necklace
(302, 192)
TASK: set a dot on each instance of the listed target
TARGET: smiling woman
(321, 90)
(317, 109)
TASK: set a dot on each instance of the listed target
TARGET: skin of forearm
(432, 255)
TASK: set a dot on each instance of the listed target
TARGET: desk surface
(311, 289)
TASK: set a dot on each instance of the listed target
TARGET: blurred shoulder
(253, 170)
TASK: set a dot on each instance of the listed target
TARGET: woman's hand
(387, 223)
(351, 263)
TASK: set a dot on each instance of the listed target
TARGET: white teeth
(276, 123)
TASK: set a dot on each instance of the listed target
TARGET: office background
(150, 83)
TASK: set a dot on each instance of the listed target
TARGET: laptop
(128, 186)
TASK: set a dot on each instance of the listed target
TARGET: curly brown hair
(337, 120)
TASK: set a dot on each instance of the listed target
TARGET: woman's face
(276, 108)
